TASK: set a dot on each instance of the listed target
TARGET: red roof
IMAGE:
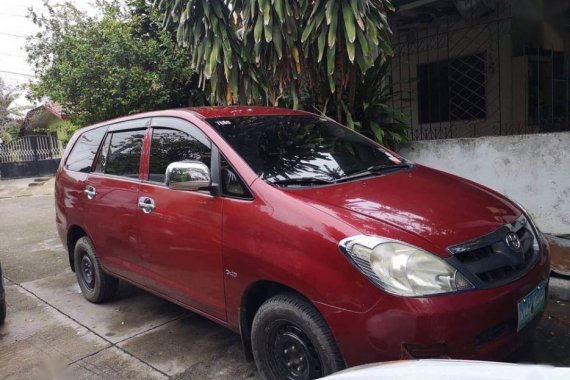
(55, 109)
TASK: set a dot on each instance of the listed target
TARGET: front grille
(493, 260)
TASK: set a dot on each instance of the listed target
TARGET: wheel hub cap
(294, 355)
(87, 271)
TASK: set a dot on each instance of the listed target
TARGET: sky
(14, 28)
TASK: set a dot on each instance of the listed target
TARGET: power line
(12, 14)
(15, 73)
(12, 55)
(12, 35)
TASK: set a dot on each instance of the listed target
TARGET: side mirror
(188, 175)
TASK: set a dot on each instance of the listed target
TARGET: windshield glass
(302, 149)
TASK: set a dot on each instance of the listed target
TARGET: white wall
(533, 170)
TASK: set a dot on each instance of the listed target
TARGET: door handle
(146, 204)
(90, 192)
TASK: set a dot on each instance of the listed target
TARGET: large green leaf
(332, 31)
(258, 30)
(349, 24)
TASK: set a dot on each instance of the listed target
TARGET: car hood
(451, 369)
(438, 207)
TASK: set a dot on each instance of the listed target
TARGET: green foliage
(372, 115)
(9, 132)
(10, 115)
(311, 54)
(119, 63)
(63, 129)
(278, 45)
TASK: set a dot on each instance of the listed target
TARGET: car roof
(204, 113)
(236, 111)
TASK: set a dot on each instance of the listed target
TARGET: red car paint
(206, 252)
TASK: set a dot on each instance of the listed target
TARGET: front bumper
(477, 324)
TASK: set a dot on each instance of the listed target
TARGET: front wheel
(291, 341)
(96, 285)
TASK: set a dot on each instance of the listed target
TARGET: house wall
(453, 38)
(526, 83)
(533, 170)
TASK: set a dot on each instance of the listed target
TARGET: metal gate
(30, 156)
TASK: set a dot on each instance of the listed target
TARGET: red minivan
(321, 248)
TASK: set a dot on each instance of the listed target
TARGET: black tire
(290, 340)
(96, 285)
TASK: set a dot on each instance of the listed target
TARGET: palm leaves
(277, 42)
(350, 31)
(206, 29)
(8, 111)
(282, 52)
(372, 115)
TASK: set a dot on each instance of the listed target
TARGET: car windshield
(304, 150)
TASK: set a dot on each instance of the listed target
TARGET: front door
(180, 234)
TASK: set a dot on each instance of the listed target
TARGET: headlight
(402, 269)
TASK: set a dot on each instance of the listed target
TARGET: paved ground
(52, 330)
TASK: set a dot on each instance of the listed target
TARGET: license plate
(531, 305)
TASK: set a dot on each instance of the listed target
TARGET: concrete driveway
(51, 330)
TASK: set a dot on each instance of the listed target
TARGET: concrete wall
(533, 170)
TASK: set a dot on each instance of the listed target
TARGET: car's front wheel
(290, 340)
(96, 285)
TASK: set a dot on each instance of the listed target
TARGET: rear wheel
(290, 340)
(96, 285)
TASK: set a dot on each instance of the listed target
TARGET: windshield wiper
(303, 181)
(372, 170)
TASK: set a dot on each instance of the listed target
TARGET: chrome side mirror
(188, 175)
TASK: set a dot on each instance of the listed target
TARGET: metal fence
(32, 155)
(461, 77)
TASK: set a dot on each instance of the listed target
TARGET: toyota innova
(321, 248)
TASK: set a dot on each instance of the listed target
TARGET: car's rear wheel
(290, 340)
(96, 285)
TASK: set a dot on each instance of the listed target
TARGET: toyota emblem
(513, 241)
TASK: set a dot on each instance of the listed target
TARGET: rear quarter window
(83, 152)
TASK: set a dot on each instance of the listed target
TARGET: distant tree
(118, 63)
(10, 114)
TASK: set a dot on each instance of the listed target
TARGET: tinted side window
(124, 153)
(83, 152)
(232, 185)
(169, 145)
